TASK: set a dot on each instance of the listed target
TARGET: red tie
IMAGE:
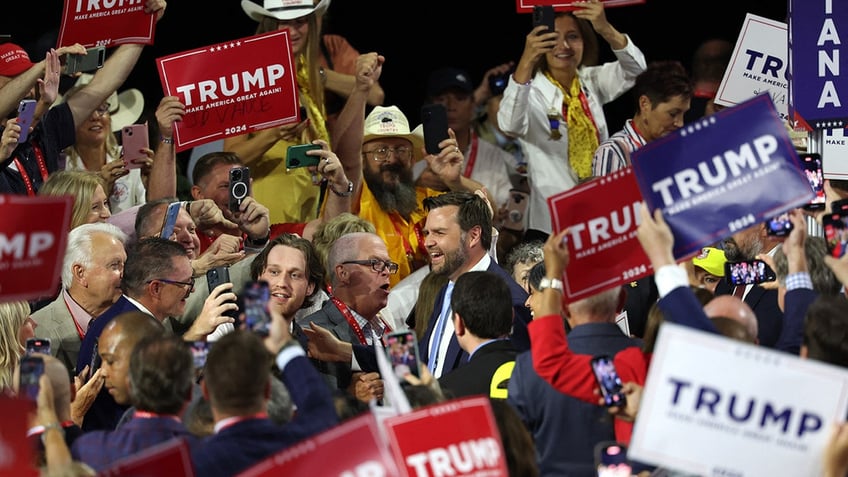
(739, 291)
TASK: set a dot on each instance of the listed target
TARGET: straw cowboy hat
(124, 108)
(282, 9)
(389, 121)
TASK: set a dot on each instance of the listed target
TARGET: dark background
(415, 37)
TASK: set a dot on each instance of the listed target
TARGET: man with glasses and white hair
(358, 267)
(388, 196)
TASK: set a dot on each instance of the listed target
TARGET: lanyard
(410, 253)
(352, 321)
(472, 156)
(42, 168)
(153, 415)
(227, 422)
(80, 332)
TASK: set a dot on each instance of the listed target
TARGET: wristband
(258, 243)
(166, 140)
(54, 425)
(347, 193)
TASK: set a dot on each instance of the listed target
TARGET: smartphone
(217, 276)
(516, 208)
(199, 351)
(779, 225)
(497, 83)
(611, 460)
(402, 351)
(170, 220)
(26, 114)
(303, 115)
(133, 139)
(38, 345)
(95, 362)
(254, 305)
(434, 118)
(813, 170)
(32, 367)
(836, 233)
(296, 156)
(239, 186)
(544, 15)
(839, 206)
(748, 272)
(90, 61)
(608, 380)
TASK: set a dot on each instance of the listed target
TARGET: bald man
(63, 394)
(733, 308)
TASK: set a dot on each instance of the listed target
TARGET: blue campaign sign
(818, 92)
(722, 174)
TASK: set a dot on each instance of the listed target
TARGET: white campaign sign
(834, 154)
(758, 64)
(716, 406)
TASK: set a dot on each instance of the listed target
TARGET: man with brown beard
(388, 197)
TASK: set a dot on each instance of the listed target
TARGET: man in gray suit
(91, 283)
(358, 267)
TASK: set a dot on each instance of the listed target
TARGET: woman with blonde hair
(88, 190)
(15, 328)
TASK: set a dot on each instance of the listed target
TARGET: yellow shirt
(404, 240)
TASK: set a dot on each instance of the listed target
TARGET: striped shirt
(614, 153)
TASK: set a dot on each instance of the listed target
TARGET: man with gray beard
(388, 197)
(746, 245)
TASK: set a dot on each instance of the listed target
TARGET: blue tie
(444, 316)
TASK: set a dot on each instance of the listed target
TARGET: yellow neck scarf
(582, 132)
(317, 121)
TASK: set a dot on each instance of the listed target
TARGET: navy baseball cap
(444, 79)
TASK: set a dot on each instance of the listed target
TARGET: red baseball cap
(13, 60)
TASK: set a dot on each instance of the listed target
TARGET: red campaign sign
(355, 446)
(15, 450)
(33, 235)
(232, 88)
(457, 438)
(107, 23)
(526, 6)
(172, 457)
(602, 216)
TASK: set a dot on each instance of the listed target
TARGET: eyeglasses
(189, 284)
(102, 110)
(377, 265)
(403, 153)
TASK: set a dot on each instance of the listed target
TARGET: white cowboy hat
(124, 108)
(389, 121)
(282, 9)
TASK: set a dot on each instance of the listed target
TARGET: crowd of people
(380, 236)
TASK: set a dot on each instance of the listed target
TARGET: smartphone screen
(254, 305)
(611, 460)
(239, 187)
(38, 345)
(779, 225)
(26, 114)
(402, 351)
(748, 272)
(608, 380)
(199, 351)
(32, 367)
(170, 220)
(813, 170)
(836, 233)
(434, 118)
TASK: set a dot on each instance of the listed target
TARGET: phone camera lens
(236, 175)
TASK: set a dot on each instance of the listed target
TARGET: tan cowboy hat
(389, 121)
(124, 108)
(282, 9)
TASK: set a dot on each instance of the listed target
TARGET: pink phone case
(133, 140)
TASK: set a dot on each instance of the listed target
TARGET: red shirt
(276, 230)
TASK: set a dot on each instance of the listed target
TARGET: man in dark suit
(482, 317)
(458, 236)
(566, 429)
(746, 245)
(237, 383)
(160, 380)
(360, 267)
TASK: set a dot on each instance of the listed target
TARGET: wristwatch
(550, 283)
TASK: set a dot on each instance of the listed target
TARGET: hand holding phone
(254, 305)
(26, 115)
(434, 118)
(608, 380)
(544, 15)
(239, 187)
(170, 220)
(133, 139)
(32, 367)
(402, 351)
(90, 61)
(836, 233)
(296, 156)
(217, 276)
(748, 272)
